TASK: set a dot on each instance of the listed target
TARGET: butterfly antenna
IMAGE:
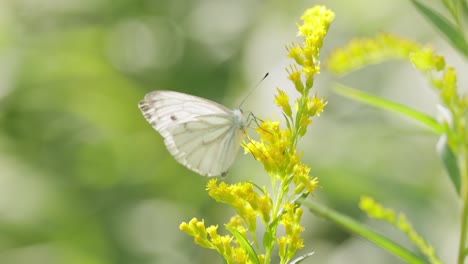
(255, 88)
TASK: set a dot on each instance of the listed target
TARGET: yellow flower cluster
(426, 60)
(244, 199)
(272, 149)
(292, 241)
(208, 237)
(377, 211)
(276, 150)
(360, 52)
(282, 100)
(442, 77)
(315, 27)
(277, 147)
(279, 157)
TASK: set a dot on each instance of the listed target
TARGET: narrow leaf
(450, 162)
(244, 243)
(260, 189)
(270, 234)
(454, 34)
(384, 104)
(355, 227)
(464, 5)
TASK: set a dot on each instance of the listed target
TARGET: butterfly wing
(207, 146)
(202, 135)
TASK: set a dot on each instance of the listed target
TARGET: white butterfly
(202, 135)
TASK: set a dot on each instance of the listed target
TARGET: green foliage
(452, 29)
(450, 127)
(244, 243)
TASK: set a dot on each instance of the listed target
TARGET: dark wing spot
(224, 173)
(143, 106)
(173, 118)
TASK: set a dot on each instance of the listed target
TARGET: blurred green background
(84, 178)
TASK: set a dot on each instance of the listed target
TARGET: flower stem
(274, 215)
(464, 193)
(461, 249)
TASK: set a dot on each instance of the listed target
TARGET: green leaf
(268, 240)
(270, 235)
(258, 187)
(288, 123)
(464, 5)
(355, 227)
(384, 104)
(454, 34)
(450, 162)
(244, 243)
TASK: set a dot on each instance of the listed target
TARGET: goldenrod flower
(282, 247)
(197, 229)
(316, 22)
(363, 51)
(237, 223)
(315, 106)
(282, 100)
(272, 149)
(295, 52)
(240, 256)
(302, 179)
(377, 211)
(276, 149)
(295, 76)
(292, 240)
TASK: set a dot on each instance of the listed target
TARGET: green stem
(255, 241)
(274, 215)
(464, 192)
(461, 249)
(297, 124)
(359, 229)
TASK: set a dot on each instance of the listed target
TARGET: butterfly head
(239, 119)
